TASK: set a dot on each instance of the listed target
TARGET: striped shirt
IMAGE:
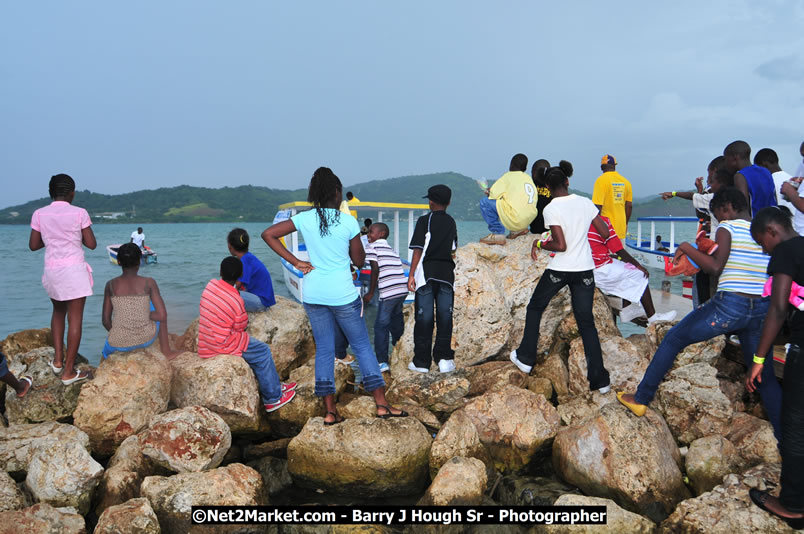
(602, 247)
(392, 280)
(745, 270)
(222, 322)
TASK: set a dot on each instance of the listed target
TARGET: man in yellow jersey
(511, 203)
(612, 196)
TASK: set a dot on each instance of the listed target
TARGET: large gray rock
(438, 392)
(19, 443)
(623, 360)
(223, 384)
(754, 440)
(132, 517)
(64, 474)
(367, 456)
(458, 437)
(632, 460)
(460, 482)
(25, 341)
(575, 409)
(186, 440)
(41, 518)
(11, 497)
(173, 497)
(128, 389)
(618, 520)
(708, 460)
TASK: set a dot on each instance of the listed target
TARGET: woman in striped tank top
(738, 305)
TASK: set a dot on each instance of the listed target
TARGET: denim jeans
(442, 296)
(792, 442)
(258, 357)
(488, 209)
(582, 291)
(389, 319)
(724, 313)
(325, 321)
(252, 302)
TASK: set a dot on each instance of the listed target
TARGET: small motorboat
(148, 255)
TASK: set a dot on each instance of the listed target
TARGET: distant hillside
(654, 206)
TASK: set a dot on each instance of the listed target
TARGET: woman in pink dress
(61, 229)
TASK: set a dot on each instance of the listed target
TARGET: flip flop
(389, 413)
(30, 385)
(759, 497)
(56, 370)
(338, 419)
(80, 375)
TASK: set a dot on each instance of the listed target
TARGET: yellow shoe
(638, 409)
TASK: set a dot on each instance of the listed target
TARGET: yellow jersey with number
(516, 200)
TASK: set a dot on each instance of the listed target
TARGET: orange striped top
(222, 322)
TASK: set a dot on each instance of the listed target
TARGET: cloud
(786, 68)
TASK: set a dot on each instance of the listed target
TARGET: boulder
(692, 403)
(128, 389)
(604, 321)
(553, 368)
(425, 416)
(223, 384)
(708, 460)
(492, 376)
(623, 361)
(632, 460)
(458, 437)
(541, 386)
(367, 456)
(186, 440)
(132, 517)
(754, 440)
(516, 490)
(11, 497)
(274, 473)
(728, 508)
(277, 448)
(173, 497)
(617, 519)
(305, 375)
(460, 482)
(290, 419)
(41, 518)
(513, 424)
(63, 474)
(362, 406)
(438, 392)
(573, 410)
(19, 443)
(25, 341)
(49, 399)
(704, 352)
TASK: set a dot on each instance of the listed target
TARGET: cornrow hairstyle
(128, 255)
(771, 215)
(239, 239)
(729, 195)
(557, 176)
(324, 185)
(231, 269)
(60, 186)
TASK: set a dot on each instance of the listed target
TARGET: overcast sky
(139, 95)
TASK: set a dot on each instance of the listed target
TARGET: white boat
(148, 257)
(645, 251)
(294, 279)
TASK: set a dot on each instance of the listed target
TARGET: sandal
(30, 385)
(338, 419)
(759, 497)
(56, 370)
(388, 413)
(80, 375)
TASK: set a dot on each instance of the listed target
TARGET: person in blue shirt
(255, 285)
(753, 181)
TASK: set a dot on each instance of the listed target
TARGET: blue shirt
(761, 187)
(330, 281)
(257, 280)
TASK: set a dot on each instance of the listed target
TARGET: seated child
(133, 310)
(256, 288)
(21, 386)
(222, 330)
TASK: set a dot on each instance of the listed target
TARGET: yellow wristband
(759, 360)
(539, 243)
(674, 193)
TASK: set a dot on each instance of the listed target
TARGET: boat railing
(652, 244)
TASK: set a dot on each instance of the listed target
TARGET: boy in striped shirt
(388, 275)
(222, 330)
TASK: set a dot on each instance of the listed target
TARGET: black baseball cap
(440, 194)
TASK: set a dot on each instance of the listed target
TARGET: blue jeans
(324, 321)
(389, 319)
(724, 313)
(258, 357)
(252, 302)
(488, 208)
(442, 296)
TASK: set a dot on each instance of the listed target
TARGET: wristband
(673, 193)
(759, 360)
(539, 243)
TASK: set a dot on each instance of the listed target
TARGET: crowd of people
(755, 238)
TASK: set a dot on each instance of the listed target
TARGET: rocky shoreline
(133, 449)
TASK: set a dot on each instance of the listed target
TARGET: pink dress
(67, 276)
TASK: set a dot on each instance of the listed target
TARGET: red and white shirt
(601, 248)
(222, 322)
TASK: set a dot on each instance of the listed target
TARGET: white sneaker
(667, 316)
(417, 369)
(604, 389)
(521, 366)
(631, 312)
(445, 366)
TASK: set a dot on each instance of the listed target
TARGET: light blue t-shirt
(330, 282)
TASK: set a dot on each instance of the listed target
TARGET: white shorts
(621, 279)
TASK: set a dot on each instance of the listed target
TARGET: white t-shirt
(779, 178)
(573, 214)
(137, 238)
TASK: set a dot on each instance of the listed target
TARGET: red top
(223, 321)
(601, 248)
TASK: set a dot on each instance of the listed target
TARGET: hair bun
(566, 167)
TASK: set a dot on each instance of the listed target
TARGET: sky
(125, 96)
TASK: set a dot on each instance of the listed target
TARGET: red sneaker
(286, 397)
(289, 386)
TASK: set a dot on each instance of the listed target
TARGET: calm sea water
(189, 256)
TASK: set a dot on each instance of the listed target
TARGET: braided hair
(324, 186)
(60, 186)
